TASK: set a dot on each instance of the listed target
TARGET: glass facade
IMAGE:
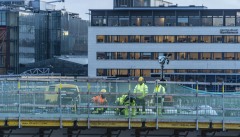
(132, 3)
(44, 34)
(75, 35)
(163, 18)
(167, 39)
(41, 36)
(12, 34)
(26, 38)
(175, 55)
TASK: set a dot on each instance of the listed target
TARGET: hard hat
(157, 81)
(140, 79)
(103, 90)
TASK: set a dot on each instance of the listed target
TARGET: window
(182, 39)
(123, 72)
(122, 3)
(100, 38)
(122, 55)
(238, 19)
(170, 21)
(238, 56)
(123, 21)
(123, 39)
(217, 39)
(206, 56)
(193, 56)
(217, 56)
(141, 3)
(100, 72)
(114, 55)
(146, 39)
(229, 56)
(146, 72)
(182, 21)
(136, 21)
(3, 18)
(2, 61)
(229, 39)
(114, 39)
(112, 21)
(158, 39)
(182, 56)
(99, 21)
(147, 21)
(207, 21)
(135, 38)
(101, 55)
(169, 39)
(146, 55)
(238, 39)
(193, 39)
(132, 56)
(218, 21)
(159, 21)
(194, 21)
(229, 21)
(206, 39)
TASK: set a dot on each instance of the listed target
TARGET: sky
(82, 6)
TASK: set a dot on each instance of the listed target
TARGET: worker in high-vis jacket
(126, 100)
(99, 100)
(159, 91)
(141, 91)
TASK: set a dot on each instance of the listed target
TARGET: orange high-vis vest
(98, 100)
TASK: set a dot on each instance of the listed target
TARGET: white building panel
(95, 47)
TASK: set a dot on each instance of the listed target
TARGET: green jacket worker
(126, 100)
(141, 91)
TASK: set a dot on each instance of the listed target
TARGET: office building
(127, 41)
(31, 35)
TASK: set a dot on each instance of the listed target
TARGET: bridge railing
(184, 101)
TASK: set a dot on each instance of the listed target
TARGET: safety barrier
(63, 102)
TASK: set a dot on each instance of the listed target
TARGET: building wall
(95, 47)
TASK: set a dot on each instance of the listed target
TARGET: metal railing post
(60, 102)
(197, 127)
(19, 105)
(129, 106)
(88, 104)
(156, 96)
(223, 107)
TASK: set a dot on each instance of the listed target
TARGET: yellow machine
(68, 92)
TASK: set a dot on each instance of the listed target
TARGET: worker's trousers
(140, 102)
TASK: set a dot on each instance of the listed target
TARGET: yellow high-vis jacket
(141, 90)
(159, 89)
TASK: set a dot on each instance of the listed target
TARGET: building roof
(76, 59)
(161, 8)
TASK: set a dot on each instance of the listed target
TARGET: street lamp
(162, 60)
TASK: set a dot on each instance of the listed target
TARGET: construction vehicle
(67, 94)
